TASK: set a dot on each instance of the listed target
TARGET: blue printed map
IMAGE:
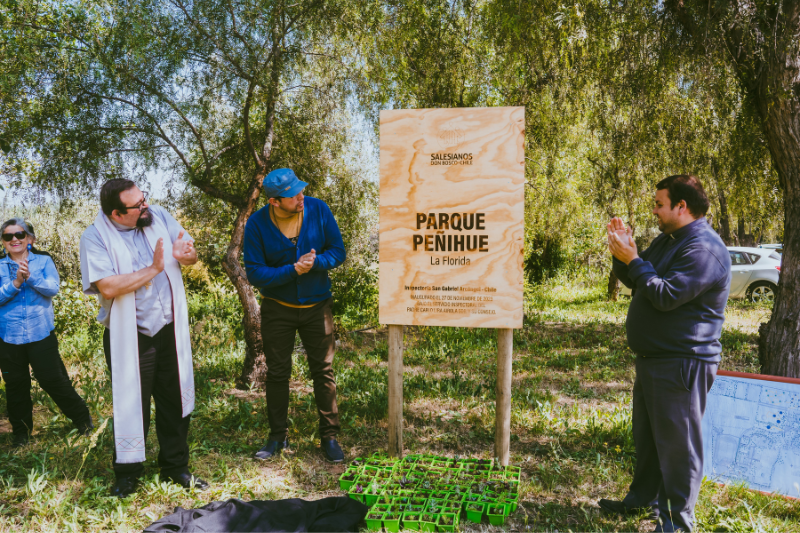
(751, 434)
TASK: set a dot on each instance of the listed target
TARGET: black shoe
(19, 440)
(85, 428)
(125, 486)
(187, 481)
(333, 452)
(617, 507)
(272, 449)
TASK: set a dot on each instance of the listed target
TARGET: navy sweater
(269, 257)
(681, 284)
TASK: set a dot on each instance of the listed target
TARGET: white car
(754, 274)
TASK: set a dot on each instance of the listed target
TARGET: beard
(145, 219)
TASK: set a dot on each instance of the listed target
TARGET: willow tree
(209, 88)
(760, 40)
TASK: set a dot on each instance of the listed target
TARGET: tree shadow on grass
(563, 515)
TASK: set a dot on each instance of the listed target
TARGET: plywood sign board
(751, 432)
(452, 217)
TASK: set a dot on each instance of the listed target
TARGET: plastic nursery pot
(357, 462)
(381, 508)
(374, 520)
(428, 522)
(357, 492)
(370, 499)
(347, 480)
(434, 503)
(453, 509)
(447, 522)
(418, 500)
(511, 500)
(411, 521)
(475, 512)
(488, 501)
(496, 515)
(391, 521)
(370, 471)
(455, 497)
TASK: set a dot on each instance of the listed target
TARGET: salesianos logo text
(451, 159)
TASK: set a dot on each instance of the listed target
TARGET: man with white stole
(131, 258)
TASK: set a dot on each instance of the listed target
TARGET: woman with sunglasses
(28, 282)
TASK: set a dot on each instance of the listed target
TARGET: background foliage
(614, 103)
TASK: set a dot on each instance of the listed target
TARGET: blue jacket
(269, 257)
(681, 284)
(26, 314)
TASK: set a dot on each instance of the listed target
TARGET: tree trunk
(745, 239)
(781, 119)
(613, 286)
(724, 218)
(254, 371)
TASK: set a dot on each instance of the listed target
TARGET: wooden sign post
(451, 235)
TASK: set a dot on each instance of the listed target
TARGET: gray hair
(21, 223)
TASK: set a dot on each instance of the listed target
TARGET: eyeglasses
(19, 235)
(141, 203)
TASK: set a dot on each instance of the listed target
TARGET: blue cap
(283, 182)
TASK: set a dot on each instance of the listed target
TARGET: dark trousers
(48, 368)
(158, 368)
(669, 399)
(279, 324)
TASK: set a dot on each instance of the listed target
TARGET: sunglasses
(19, 235)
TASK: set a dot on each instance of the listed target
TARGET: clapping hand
(182, 250)
(305, 263)
(158, 256)
(620, 241)
(22, 273)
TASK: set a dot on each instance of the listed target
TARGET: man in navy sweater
(680, 289)
(289, 246)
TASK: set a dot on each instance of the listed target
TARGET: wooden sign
(452, 217)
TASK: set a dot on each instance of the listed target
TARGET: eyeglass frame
(141, 203)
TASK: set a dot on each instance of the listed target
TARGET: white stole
(125, 379)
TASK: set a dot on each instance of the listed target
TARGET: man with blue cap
(289, 246)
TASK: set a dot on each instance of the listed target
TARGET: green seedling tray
(451, 527)
(476, 515)
(429, 526)
(412, 524)
(392, 526)
(346, 484)
(495, 519)
(374, 524)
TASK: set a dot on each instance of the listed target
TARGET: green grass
(571, 430)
